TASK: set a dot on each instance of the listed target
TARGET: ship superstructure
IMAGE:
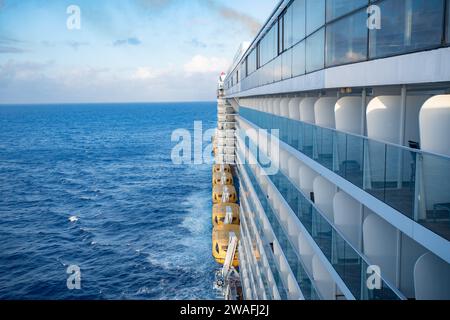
(342, 151)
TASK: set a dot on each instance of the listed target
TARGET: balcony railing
(350, 264)
(295, 263)
(258, 239)
(413, 182)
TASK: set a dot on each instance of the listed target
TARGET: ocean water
(94, 186)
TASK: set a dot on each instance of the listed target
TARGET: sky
(124, 50)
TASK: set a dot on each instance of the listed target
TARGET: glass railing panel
(325, 147)
(413, 182)
(400, 180)
(343, 257)
(432, 209)
(290, 252)
(347, 262)
(267, 249)
(351, 167)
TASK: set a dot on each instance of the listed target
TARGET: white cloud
(202, 64)
(145, 73)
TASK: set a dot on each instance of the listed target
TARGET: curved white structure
(324, 192)
(435, 125)
(380, 239)
(284, 107)
(324, 283)
(294, 108)
(324, 112)
(434, 134)
(348, 217)
(307, 176)
(307, 113)
(349, 115)
(293, 170)
(432, 278)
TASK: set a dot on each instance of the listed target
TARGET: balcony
(409, 180)
(350, 264)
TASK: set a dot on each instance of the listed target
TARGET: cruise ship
(332, 174)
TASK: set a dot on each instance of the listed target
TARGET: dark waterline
(143, 229)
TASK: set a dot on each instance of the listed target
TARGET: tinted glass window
(287, 29)
(315, 45)
(407, 26)
(315, 15)
(338, 8)
(298, 59)
(448, 21)
(347, 39)
(286, 65)
(298, 20)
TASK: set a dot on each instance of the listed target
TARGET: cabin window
(315, 15)
(298, 20)
(287, 29)
(339, 8)
(286, 65)
(347, 39)
(448, 21)
(298, 59)
(407, 26)
(315, 45)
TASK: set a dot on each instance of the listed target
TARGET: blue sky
(126, 50)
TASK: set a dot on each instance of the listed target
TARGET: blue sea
(94, 186)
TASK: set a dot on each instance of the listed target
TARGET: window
(347, 39)
(315, 45)
(286, 65)
(298, 59)
(287, 29)
(407, 26)
(338, 8)
(448, 21)
(277, 71)
(298, 21)
(315, 15)
(268, 47)
(251, 62)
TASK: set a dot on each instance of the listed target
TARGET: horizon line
(121, 102)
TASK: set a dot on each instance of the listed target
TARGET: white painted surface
(435, 133)
(380, 240)
(347, 217)
(410, 252)
(284, 107)
(324, 192)
(294, 108)
(324, 112)
(324, 283)
(348, 112)
(307, 113)
(432, 278)
(435, 125)
(293, 170)
(307, 176)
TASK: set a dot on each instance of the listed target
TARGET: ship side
(341, 151)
